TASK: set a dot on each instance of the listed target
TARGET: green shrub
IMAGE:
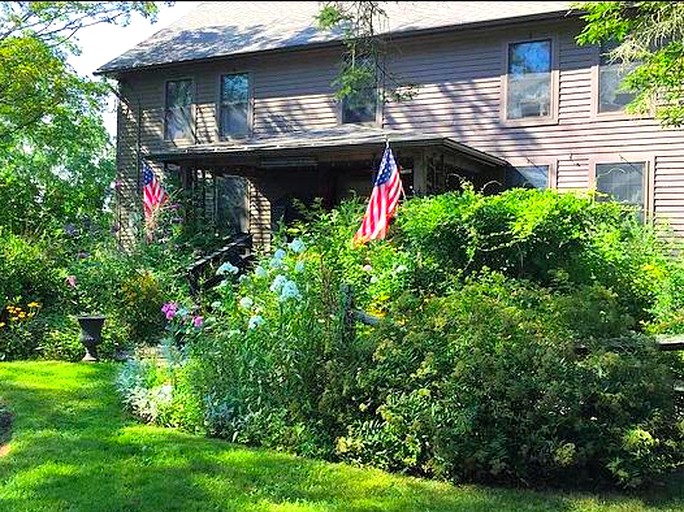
(487, 384)
(558, 240)
(27, 272)
(510, 350)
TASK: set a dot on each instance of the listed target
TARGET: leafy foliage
(651, 36)
(508, 347)
(364, 63)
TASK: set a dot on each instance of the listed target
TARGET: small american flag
(383, 200)
(154, 194)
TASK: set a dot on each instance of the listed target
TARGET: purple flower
(170, 309)
(71, 281)
(197, 321)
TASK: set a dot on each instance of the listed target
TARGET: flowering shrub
(20, 331)
(182, 325)
(473, 371)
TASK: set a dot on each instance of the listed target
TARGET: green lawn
(72, 449)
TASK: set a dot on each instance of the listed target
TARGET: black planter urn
(91, 335)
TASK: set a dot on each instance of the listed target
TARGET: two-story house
(236, 97)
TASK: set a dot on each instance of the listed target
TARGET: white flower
(246, 302)
(373, 279)
(216, 304)
(279, 254)
(260, 271)
(367, 268)
(299, 267)
(401, 268)
(278, 283)
(290, 291)
(242, 278)
(255, 321)
(297, 245)
(227, 268)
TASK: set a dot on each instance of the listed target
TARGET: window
(528, 176)
(360, 107)
(529, 80)
(234, 106)
(178, 111)
(623, 182)
(611, 96)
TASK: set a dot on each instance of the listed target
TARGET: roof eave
(115, 72)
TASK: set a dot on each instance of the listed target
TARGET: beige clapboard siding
(669, 190)
(459, 75)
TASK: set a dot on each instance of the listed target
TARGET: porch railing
(201, 275)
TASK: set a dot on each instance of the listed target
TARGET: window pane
(178, 113)
(623, 182)
(231, 205)
(179, 123)
(234, 88)
(234, 118)
(611, 97)
(360, 107)
(529, 79)
(530, 176)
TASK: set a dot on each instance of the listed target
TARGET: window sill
(617, 116)
(529, 122)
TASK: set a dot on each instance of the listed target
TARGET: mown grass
(73, 449)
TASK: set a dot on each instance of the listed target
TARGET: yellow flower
(22, 315)
(33, 304)
(2, 324)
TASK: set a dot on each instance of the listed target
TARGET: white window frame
(250, 106)
(552, 179)
(193, 93)
(552, 118)
(596, 93)
(647, 159)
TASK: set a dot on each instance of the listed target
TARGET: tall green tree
(56, 159)
(647, 37)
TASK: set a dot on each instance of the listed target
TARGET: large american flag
(154, 194)
(382, 206)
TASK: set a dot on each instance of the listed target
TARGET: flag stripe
(154, 195)
(383, 201)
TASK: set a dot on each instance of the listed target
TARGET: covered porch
(249, 186)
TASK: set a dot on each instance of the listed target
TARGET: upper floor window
(178, 110)
(529, 85)
(612, 96)
(527, 176)
(234, 106)
(622, 181)
(360, 107)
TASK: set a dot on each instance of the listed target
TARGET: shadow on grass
(74, 450)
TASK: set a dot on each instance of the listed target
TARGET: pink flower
(71, 281)
(198, 321)
(170, 309)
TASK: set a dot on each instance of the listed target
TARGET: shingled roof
(222, 29)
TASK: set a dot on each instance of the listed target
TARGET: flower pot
(91, 334)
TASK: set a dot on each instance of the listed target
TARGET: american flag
(383, 200)
(154, 194)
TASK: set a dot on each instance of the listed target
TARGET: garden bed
(73, 449)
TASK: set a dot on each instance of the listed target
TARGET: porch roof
(318, 143)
